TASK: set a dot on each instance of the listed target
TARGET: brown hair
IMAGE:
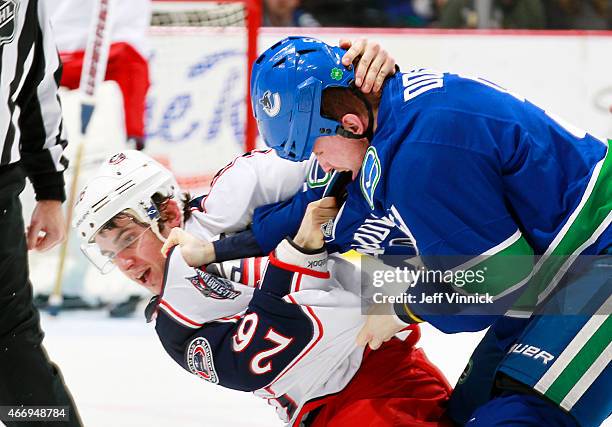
(160, 200)
(338, 101)
(114, 221)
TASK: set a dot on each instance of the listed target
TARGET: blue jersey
(462, 167)
(374, 236)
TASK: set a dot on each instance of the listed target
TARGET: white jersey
(286, 333)
(72, 20)
(289, 339)
(254, 179)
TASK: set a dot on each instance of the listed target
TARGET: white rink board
(195, 118)
(566, 74)
(195, 107)
(196, 112)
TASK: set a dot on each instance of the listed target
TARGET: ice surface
(120, 375)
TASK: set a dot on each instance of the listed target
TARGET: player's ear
(172, 214)
(353, 123)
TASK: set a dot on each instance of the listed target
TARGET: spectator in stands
(407, 13)
(523, 14)
(372, 13)
(129, 21)
(579, 14)
(287, 13)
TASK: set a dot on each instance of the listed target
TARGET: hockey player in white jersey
(284, 328)
(127, 24)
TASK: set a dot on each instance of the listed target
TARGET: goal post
(254, 19)
(180, 16)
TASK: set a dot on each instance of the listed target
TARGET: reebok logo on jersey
(271, 103)
(212, 286)
(317, 263)
(200, 360)
(533, 352)
(370, 175)
(8, 11)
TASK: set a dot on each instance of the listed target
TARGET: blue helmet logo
(271, 103)
(287, 84)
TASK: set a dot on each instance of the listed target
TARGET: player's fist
(318, 213)
(381, 325)
(195, 252)
(374, 64)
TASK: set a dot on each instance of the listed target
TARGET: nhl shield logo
(8, 12)
(271, 103)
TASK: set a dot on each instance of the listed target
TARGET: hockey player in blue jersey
(465, 168)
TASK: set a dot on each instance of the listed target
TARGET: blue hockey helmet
(287, 83)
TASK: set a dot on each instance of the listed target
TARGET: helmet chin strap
(369, 132)
(155, 229)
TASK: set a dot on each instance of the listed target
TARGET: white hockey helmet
(124, 183)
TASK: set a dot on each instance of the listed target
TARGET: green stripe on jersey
(509, 266)
(503, 269)
(583, 227)
(581, 362)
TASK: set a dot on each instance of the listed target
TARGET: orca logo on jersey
(317, 177)
(370, 175)
(271, 103)
(212, 286)
(8, 11)
(200, 360)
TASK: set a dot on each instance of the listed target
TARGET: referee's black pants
(27, 376)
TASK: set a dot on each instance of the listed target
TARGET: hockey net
(202, 52)
(198, 14)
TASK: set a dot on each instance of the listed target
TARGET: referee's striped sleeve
(43, 137)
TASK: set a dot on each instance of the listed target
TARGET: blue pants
(562, 359)
(517, 410)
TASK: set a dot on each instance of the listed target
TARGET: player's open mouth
(144, 276)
